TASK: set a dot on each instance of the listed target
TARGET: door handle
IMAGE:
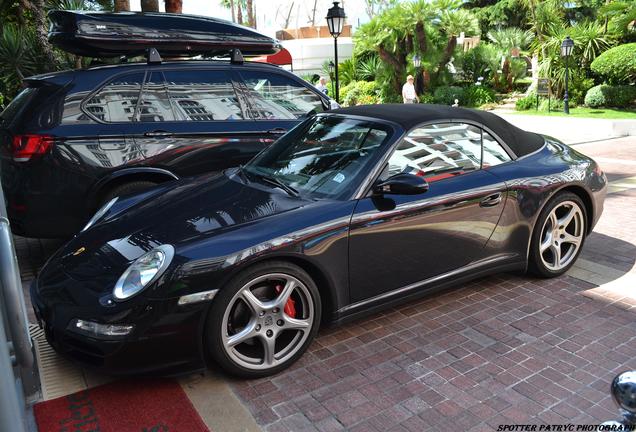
(157, 134)
(277, 131)
(491, 200)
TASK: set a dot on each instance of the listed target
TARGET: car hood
(177, 215)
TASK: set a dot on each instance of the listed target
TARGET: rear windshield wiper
(278, 183)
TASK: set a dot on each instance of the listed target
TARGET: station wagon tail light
(25, 147)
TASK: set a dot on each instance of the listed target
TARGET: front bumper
(167, 338)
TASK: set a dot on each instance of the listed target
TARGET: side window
(155, 104)
(437, 151)
(203, 95)
(276, 97)
(494, 154)
(117, 100)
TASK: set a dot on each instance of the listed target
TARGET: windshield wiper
(278, 183)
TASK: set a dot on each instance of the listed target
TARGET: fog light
(98, 330)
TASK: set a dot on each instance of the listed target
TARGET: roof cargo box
(104, 34)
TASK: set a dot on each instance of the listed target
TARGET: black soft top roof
(410, 115)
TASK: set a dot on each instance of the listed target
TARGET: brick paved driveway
(503, 349)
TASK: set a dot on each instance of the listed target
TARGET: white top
(408, 91)
(321, 87)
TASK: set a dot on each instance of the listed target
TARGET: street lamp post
(566, 51)
(331, 67)
(335, 21)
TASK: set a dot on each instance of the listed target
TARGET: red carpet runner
(123, 406)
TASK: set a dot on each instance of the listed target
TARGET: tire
(237, 335)
(551, 252)
(125, 189)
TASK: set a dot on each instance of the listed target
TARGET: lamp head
(335, 19)
(566, 47)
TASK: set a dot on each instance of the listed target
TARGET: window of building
(155, 103)
(113, 102)
(494, 153)
(438, 151)
(276, 97)
(203, 95)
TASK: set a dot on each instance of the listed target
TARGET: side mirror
(401, 184)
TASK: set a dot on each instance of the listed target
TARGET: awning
(282, 57)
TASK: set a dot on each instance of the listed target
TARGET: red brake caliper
(290, 305)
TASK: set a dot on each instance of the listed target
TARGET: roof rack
(236, 56)
(153, 56)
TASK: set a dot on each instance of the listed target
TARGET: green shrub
(530, 103)
(475, 96)
(480, 62)
(526, 103)
(427, 98)
(578, 88)
(446, 95)
(554, 104)
(620, 96)
(617, 65)
(360, 93)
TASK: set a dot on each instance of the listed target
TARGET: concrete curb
(572, 130)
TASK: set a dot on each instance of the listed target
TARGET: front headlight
(143, 271)
(100, 213)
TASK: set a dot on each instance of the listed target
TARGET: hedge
(620, 96)
(617, 65)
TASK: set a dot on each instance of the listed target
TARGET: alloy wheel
(561, 235)
(267, 321)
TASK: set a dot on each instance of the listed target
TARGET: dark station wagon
(73, 140)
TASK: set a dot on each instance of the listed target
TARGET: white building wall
(308, 55)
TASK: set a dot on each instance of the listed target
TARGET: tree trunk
(448, 53)
(250, 13)
(122, 5)
(420, 35)
(150, 5)
(41, 30)
(233, 12)
(398, 67)
(239, 14)
(174, 6)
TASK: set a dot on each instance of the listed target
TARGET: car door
(275, 101)
(190, 122)
(398, 240)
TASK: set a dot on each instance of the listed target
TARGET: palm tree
(122, 5)
(621, 15)
(174, 6)
(18, 55)
(150, 5)
(236, 7)
(590, 41)
(452, 23)
(511, 39)
(250, 13)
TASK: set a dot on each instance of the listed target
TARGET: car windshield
(324, 157)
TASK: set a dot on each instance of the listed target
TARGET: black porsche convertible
(350, 212)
